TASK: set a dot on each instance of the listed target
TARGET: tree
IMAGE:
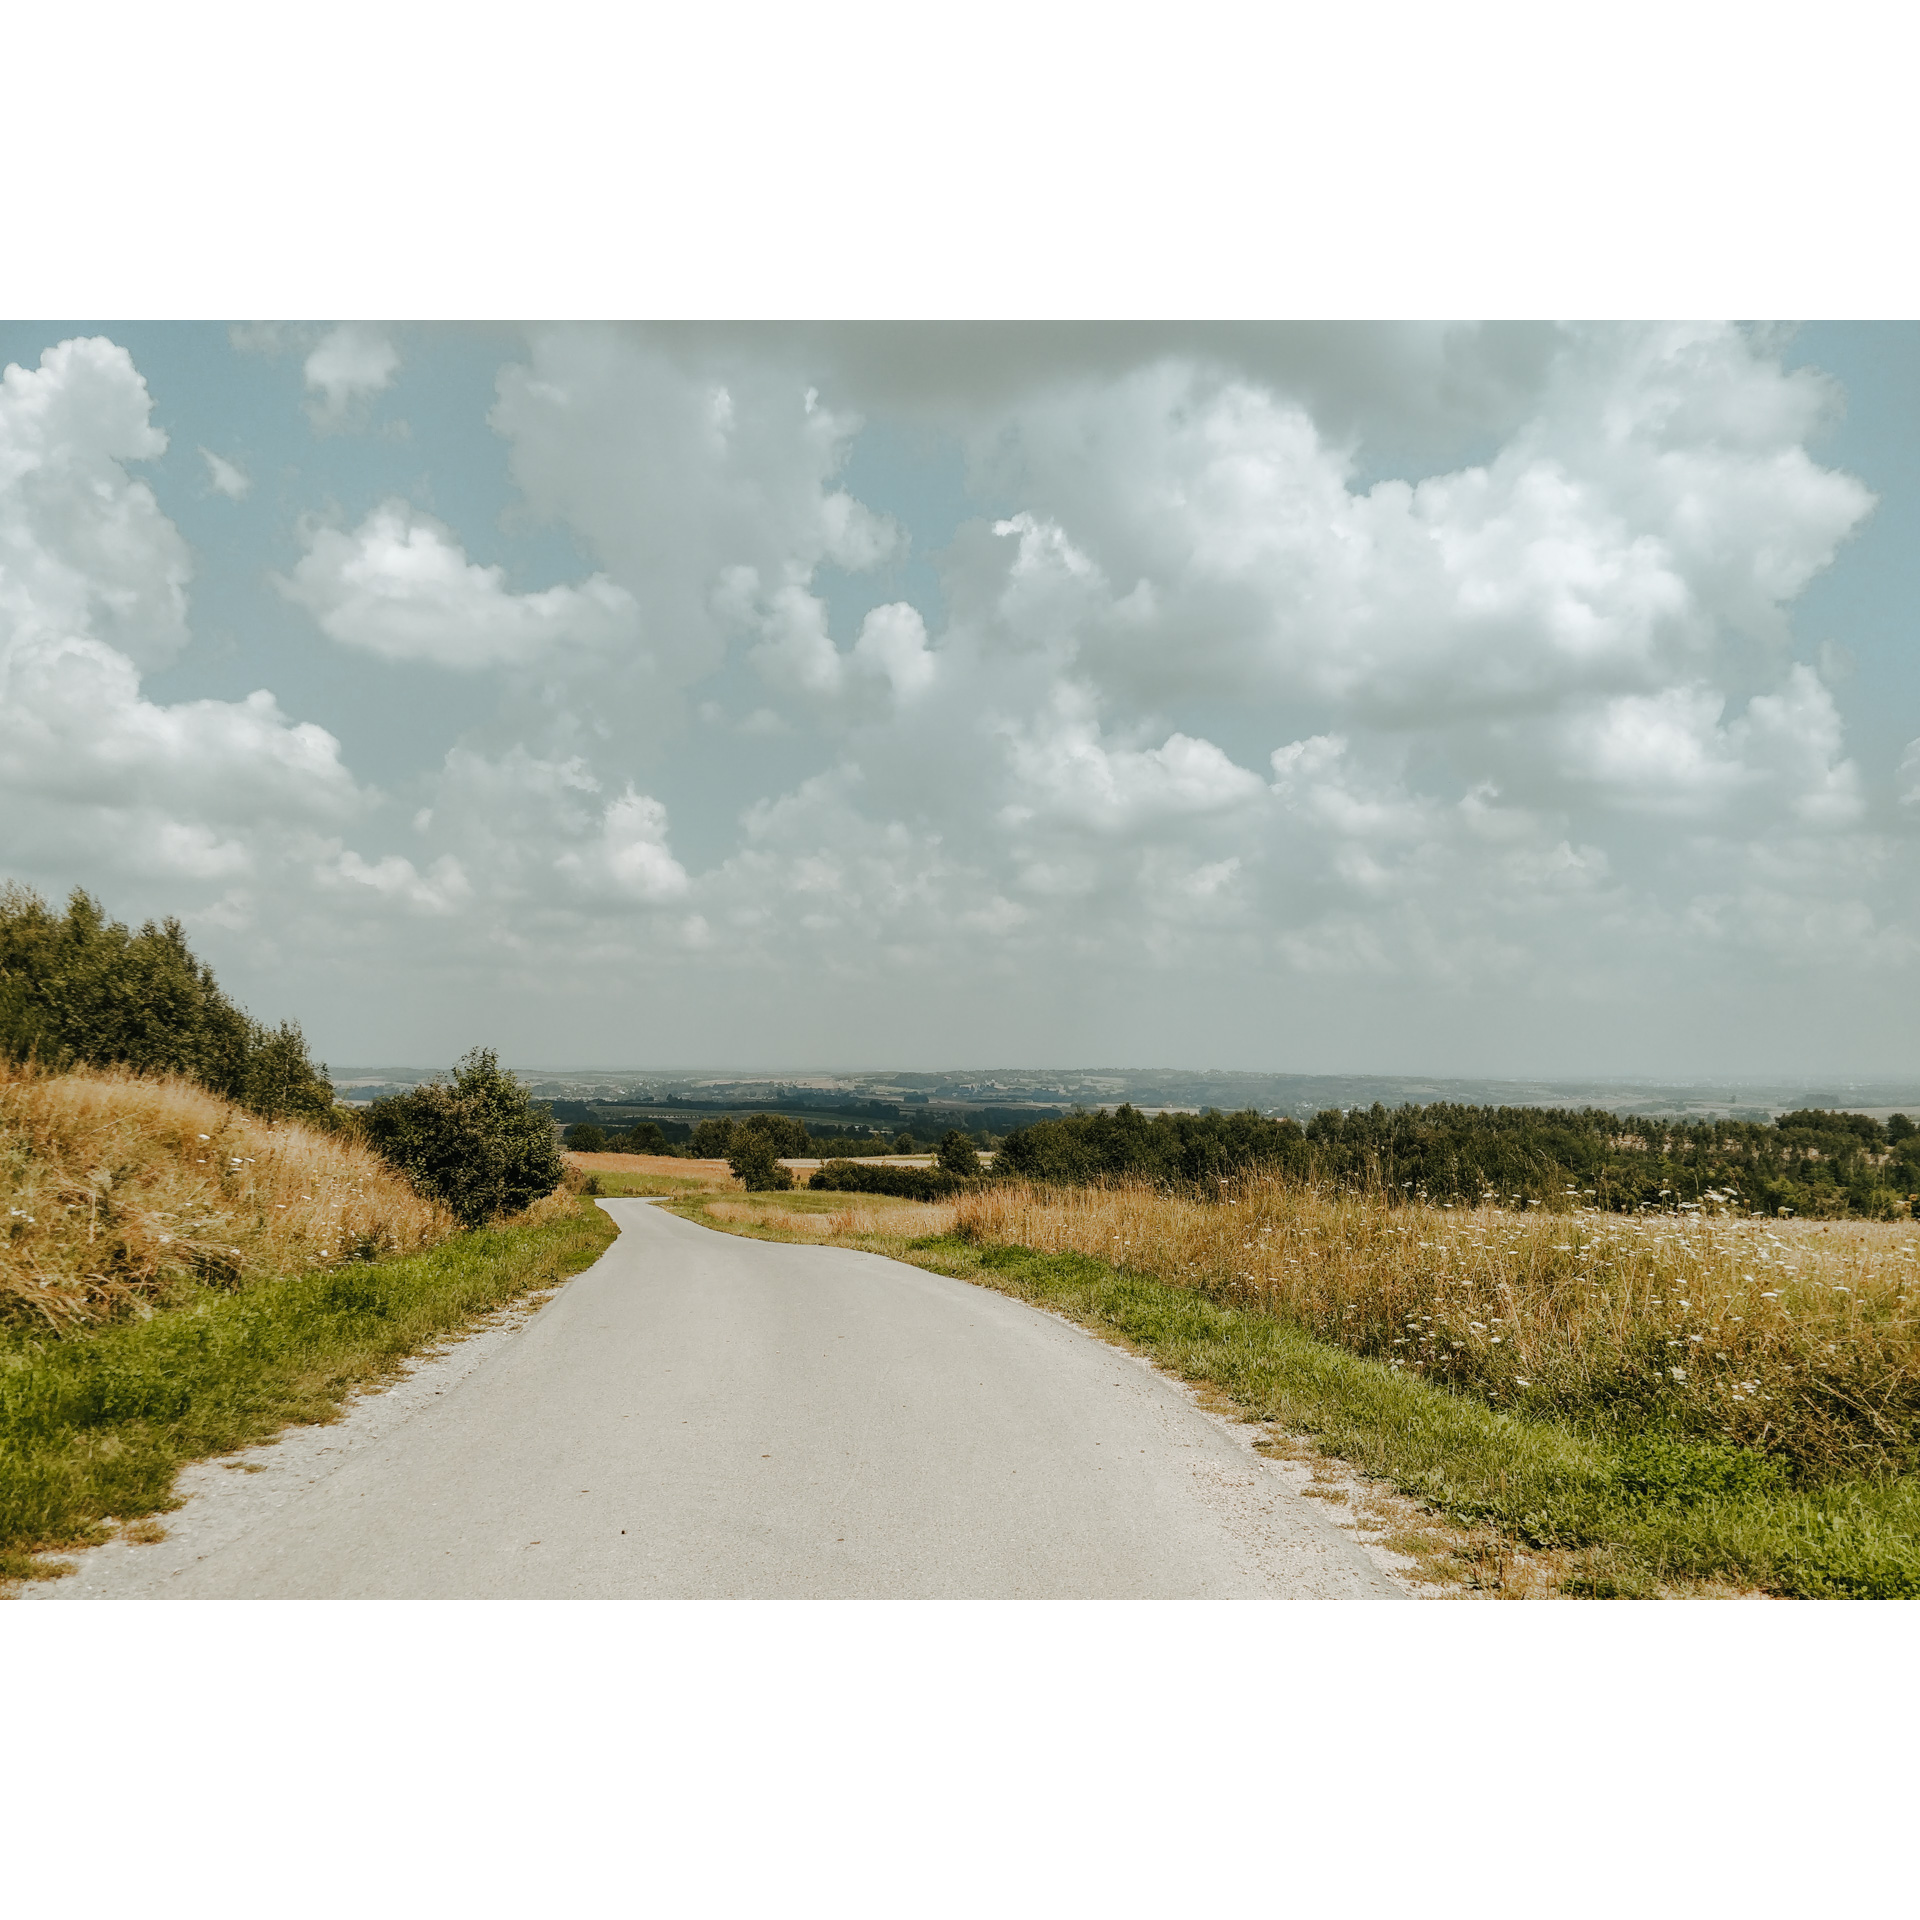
(711, 1139)
(479, 1144)
(905, 1143)
(754, 1163)
(959, 1155)
(644, 1136)
(585, 1137)
(784, 1135)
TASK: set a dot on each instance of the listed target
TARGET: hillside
(123, 1193)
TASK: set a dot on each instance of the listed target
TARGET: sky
(1517, 698)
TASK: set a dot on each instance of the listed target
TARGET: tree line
(78, 989)
(1814, 1162)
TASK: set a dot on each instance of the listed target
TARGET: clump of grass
(1796, 1341)
(96, 1424)
(121, 1194)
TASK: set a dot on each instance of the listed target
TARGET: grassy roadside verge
(96, 1426)
(1643, 1514)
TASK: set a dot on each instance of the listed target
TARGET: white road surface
(703, 1416)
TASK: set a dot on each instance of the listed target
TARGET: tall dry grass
(1801, 1339)
(118, 1191)
(859, 1219)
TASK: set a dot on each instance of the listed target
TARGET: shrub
(586, 1138)
(905, 1183)
(478, 1144)
(755, 1164)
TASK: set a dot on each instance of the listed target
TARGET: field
(1608, 1404)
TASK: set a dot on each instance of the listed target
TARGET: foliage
(77, 989)
(100, 1424)
(959, 1156)
(710, 1139)
(905, 1143)
(479, 1144)
(1813, 1163)
(586, 1138)
(787, 1137)
(906, 1183)
(752, 1158)
(644, 1136)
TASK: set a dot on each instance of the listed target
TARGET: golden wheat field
(117, 1190)
(1797, 1337)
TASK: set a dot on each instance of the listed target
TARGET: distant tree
(711, 1139)
(585, 1137)
(1899, 1128)
(959, 1155)
(784, 1135)
(755, 1164)
(478, 1143)
(644, 1136)
(905, 1143)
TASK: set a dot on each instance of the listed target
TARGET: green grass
(95, 1426)
(1640, 1514)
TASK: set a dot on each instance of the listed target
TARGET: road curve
(703, 1416)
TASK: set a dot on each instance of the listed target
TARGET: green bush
(586, 1138)
(754, 1163)
(478, 1144)
(711, 1139)
(905, 1183)
(644, 1136)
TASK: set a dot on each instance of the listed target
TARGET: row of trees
(708, 1140)
(78, 989)
(1813, 1162)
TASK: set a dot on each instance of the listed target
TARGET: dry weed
(119, 1190)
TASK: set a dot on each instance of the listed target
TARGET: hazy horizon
(1459, 701)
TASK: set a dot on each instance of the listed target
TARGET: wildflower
(1677, 1372)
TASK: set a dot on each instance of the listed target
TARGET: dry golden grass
(849, 1217)
(1798, 1338)
(657, 1166)
(119, 1191)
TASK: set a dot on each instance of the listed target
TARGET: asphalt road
(702, 1416)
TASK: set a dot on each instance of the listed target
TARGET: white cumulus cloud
(400, 586)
